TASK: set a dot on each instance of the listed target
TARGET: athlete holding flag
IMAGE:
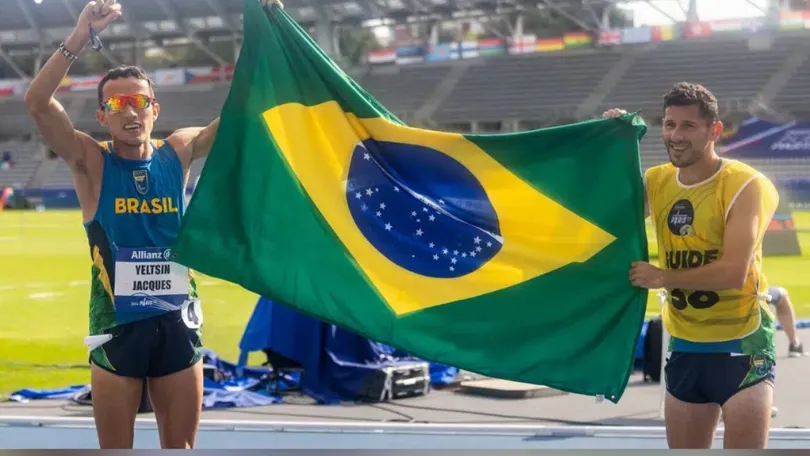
(710, 216)
(131, 190)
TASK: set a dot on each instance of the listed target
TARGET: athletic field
(44, 284)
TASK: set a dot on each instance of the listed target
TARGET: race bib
(146, 281)
(192, 314)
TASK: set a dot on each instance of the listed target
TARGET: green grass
(44, 287)
(44, 284)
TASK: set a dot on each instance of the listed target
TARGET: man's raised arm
(50, 117)
(193, 143)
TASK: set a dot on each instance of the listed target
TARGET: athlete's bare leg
(747, 417)
(690, 426)
(787, 317)
(177, 402)
(116, 400)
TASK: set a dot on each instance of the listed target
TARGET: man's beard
(686, 157)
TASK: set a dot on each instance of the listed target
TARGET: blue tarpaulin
(336, 362)
(249, 388)
(246, 388)
(28, 394)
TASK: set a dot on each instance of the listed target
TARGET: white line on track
(528, 430)
(41, 285)
(44, 295)
(31, 225)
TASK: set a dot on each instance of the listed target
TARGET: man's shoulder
(743, 174)
(740, 177)
(658, 172)
(738, 168)
(161, 143)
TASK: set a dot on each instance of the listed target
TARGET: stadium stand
(14, 120)
(26, 161)
(404, 89)
(61, 177)
(526, 87)
(795, 96)
(652, 152)
(537, 86)
(727, 66)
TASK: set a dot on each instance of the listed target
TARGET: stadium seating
(652, 148)
(795, 96)
(25, 159)
(537, 86)
(61, 177)
(727, 66)
(526, 87)
(404, 89)
(14, 120)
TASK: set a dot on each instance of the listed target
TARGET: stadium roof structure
(39, 14)
(29, 25)
(43, 14)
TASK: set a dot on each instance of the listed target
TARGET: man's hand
(49, 115)
(277, 2)
(613, 113)
(98, 15)
(646, 275)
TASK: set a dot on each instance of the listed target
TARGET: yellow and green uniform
(690, 226)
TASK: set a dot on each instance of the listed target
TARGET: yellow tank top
(690, 222)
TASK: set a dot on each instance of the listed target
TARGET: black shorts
(705, 378)
(154, 347)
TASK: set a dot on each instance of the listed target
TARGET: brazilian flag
(507, 255)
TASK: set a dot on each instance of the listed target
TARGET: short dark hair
(123, 72)
(688, 94)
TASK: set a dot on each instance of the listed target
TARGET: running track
(78, 433)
